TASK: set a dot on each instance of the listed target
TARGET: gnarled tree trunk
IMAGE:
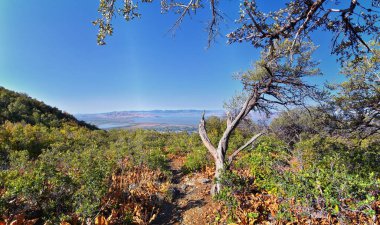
(276, 80)
(219, 170)
(222, 163)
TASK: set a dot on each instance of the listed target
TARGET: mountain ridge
(18, 107)
(172, 120)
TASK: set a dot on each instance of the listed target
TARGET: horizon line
(149, 110)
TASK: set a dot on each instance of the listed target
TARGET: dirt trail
(192, 203)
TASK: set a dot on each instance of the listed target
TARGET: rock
(189, 191)
(183, 187)
(172, 193)
(190, 183)
(132, 187)
(204, 180)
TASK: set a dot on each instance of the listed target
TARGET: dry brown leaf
(101, 220)
(112, 216)
(153, 218)
(64, 223)
(30, 222)
(19, 220)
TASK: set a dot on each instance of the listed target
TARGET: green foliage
(141, 147)
(197, 160)
(322, 173)
(360, 157)
(356, 101)
(67, 170)
(60, 182)
(156, 159)
(40, 185)
(267, 161)
(16, 107)
(64, 169)
(231, 183)
(182, 143)
(215, 127)
(35, 138)
(290, 126)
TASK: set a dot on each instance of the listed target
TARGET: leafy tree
(356, 107)
(282, 33)
(291, 125)
(277, 80)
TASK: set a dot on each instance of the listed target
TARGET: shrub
(267, 161)
(322, 175)
(196, 160)
(156, 159)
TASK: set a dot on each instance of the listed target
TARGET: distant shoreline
(161, 120)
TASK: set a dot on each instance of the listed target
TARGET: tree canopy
(356, 106)
(353, 23)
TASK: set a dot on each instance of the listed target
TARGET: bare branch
(258, 27)
(213, 25)
(205, 139)
(185, 10)
(309, 16)
(233, 155)
(305, 15)
(229, 119)
(351, 28)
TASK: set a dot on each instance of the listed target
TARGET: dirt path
(192, 203)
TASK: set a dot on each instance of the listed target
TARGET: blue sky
(48, 50)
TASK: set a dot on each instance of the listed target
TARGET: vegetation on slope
(16, 107)
(298, 172)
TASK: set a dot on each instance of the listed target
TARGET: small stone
(183, 187)
(190, 183)
(132, 187)
(204, 180)
(189, 191)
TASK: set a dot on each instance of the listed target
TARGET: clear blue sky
(48, 50)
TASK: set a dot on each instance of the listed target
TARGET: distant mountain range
(18, 107)
(162, 120)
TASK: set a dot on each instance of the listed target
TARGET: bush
(196, 160)
(334, 176)
(322, 175)
(72, 174)
(267, 161)
(156, 159)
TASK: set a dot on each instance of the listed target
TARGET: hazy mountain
(162, 120)
(171, 120)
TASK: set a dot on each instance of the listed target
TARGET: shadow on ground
(171, 212)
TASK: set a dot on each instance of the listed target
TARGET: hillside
(18, 107)
(53, 171)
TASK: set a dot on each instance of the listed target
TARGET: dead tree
(276, 80)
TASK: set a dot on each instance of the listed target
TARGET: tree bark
(219, 170)
(219, 153)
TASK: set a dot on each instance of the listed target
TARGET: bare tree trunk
(219, 154)
(219, 170)
(277, 80)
